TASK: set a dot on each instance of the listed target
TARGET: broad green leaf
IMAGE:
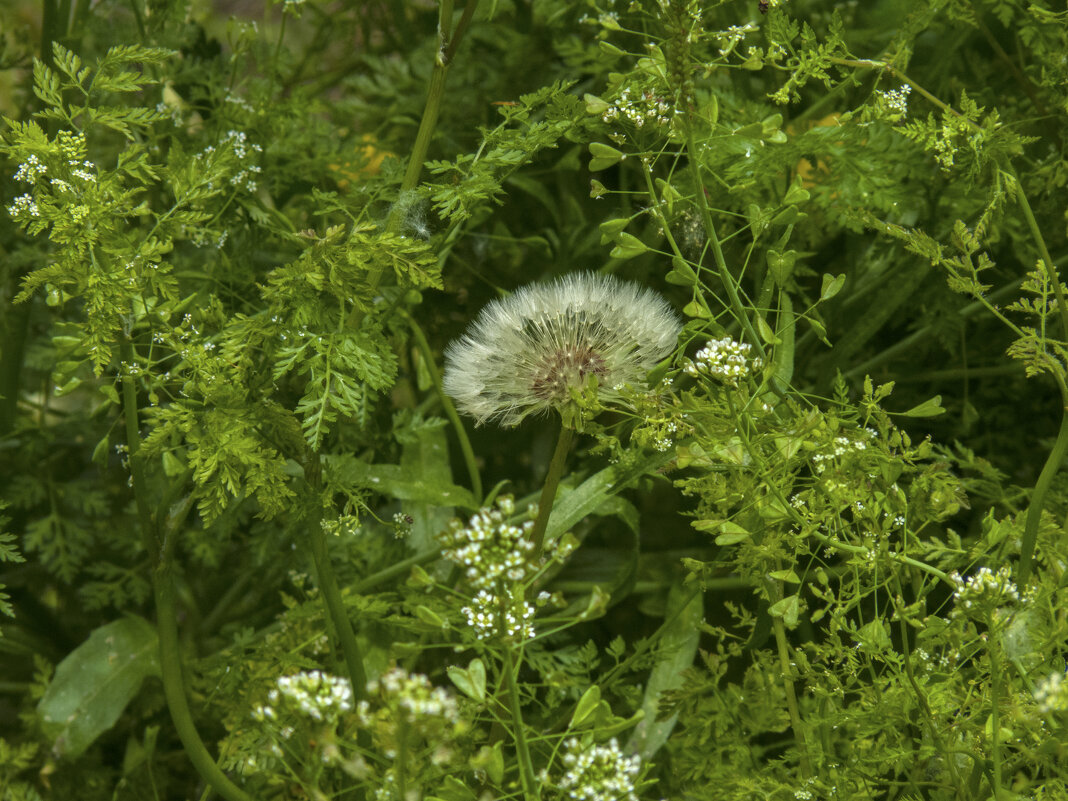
(96, 681)
(587, 705)
(395, 481)
(929, 408)
(589, 497)
(832, 285)
(604, 156)
(676, 650)
(788, 609)
(627, 246)
(425, 460)
(471, 681)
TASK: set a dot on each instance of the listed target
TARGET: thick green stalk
(526, 765)
(174, 688)
(160, 552)
(327, 581)
(548, 490)
(787, 669)
(450, 409)
(447, 45)
(1038, 497)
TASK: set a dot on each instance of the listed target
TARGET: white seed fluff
(525, 353)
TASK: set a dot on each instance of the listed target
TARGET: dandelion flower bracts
(526, 353)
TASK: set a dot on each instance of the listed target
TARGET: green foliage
(819, 554)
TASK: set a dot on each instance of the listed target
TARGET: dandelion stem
(548, 490)
(450, 409)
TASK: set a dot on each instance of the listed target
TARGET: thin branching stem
(526, 765)
(327, 581)
(450, 409)
(1060, 446)
(717, 252)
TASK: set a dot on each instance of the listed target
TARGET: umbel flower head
(527, 353)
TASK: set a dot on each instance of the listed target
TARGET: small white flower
(598, 772)
(724, 359)
(30, 170)
(526, 353)
(24, 204)
(897, 100)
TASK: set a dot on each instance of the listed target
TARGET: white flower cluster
(725, 359)
(315, 694)
(489, 547)
(413, 695)
(897, 100)
(238, 142)
(23, 204)
(30, 170)
(646, 107)
(839, 446)
(598, 772)
(505, 614)
(985, 588)
(1051, 694)
(242, 148)
(729, 38)
(82, 170)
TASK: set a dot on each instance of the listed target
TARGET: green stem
(717, 252)
(548, 490)
(447, 45)
(398, 569)
(788, 686)
(526, 765)
(1038, 496)
(928, 717)
(450, 409)
(149, 534)
(995, 749)
(174, 688)
(160, 547)
(327, 581)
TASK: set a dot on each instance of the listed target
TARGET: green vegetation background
(225, 326)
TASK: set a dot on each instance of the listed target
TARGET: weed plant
(533, 399)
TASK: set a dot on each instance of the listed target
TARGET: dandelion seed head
(526, 353)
